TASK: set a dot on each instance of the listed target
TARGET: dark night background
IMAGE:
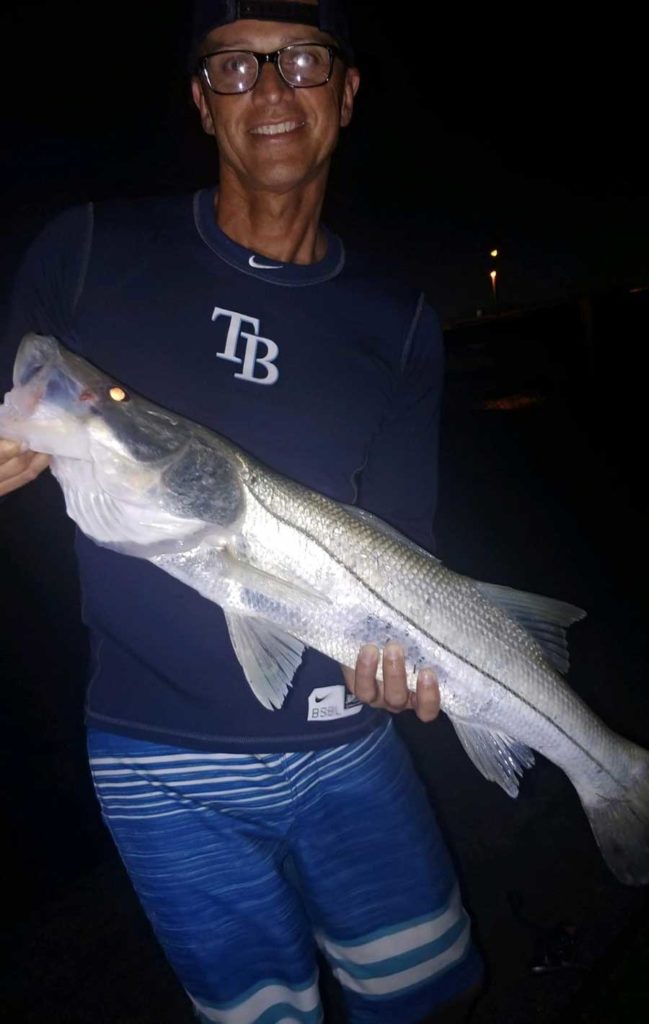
(517, 128)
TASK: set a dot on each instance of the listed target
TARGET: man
(251, 836)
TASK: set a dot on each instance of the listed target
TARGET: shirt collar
(256, 265)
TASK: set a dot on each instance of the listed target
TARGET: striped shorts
(246, 864)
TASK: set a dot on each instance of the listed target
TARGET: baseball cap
(327, 15)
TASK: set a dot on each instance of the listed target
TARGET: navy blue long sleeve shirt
(329, 373)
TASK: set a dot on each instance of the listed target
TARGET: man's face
(247, 125)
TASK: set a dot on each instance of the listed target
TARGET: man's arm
(399, 484)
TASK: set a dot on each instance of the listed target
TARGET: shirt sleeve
(48, 284)
(398, 482)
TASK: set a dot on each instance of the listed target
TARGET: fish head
(62, 405)
(39, 410)
(112, 447)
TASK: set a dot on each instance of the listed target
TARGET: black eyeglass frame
(269, 58)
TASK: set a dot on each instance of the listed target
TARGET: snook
(291, 568)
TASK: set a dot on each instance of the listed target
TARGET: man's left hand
(392, 692)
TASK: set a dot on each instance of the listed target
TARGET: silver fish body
(292, 568)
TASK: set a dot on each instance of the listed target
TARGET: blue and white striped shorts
(246, 863)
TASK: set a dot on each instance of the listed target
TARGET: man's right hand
(18, 468)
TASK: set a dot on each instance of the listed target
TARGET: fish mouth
(43, 370)
(277, 128)
(34, 353)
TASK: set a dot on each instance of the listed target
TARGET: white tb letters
(253, 340)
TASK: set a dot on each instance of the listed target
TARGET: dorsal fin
(542, 617)
(388, 531)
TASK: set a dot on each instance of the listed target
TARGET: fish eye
(118, 394)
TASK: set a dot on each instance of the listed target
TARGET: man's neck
(282, 226)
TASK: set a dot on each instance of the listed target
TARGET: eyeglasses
(300, 65)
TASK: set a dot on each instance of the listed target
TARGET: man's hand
(18, 468)
(393, 693)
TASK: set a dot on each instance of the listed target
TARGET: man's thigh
(209, 875)
(380, 887)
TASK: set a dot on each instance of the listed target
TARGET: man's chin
(282, 179)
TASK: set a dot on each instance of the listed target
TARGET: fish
(291, 568)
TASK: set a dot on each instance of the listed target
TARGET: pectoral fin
(275, 588)
(268, 656)
(143, 531)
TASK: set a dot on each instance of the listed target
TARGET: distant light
(512, 403)
(494, 252)
(118, 394)
(493, 275)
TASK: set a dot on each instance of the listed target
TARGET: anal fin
(500, 758)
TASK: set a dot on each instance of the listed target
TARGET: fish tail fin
(620, 822)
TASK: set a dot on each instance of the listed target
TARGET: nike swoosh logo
(319, 700)
(263, 266)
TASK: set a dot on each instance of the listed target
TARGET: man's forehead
(273, 23)
(248, 33)
(287, 11)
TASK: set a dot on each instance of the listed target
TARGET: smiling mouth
(283, 128)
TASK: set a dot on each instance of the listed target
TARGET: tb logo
(265, 361)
